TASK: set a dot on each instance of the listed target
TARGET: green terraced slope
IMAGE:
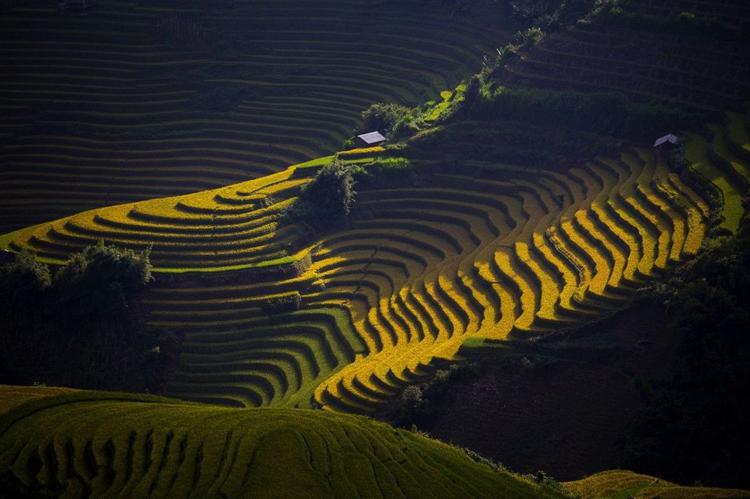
(626, 484)
(94, 444)
(146, 99)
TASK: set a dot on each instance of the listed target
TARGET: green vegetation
(118, 445)
(326, 201)
(619, 484)
(709, 390)
(79, 327)
(383, 117)
(527, 200)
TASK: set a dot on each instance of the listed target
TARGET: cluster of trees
(325, 202)
(393, 120)
(694, 426)
(80, 326)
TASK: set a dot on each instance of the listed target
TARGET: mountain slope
(123, 445)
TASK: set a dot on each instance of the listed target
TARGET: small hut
(372, 138)
(668, 140)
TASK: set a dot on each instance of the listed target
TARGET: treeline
(694, 426)
(80, 325)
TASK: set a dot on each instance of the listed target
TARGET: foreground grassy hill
(98, 444)
(137, 100)
(95, 444)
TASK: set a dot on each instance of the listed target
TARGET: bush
(80, 328)
(98, 279)
(383, 171)
(383, 117)
(23, 282)
(327, 200)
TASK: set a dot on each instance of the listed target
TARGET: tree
(78, 328)
(328, 199)
(383, 117)
(24, 281)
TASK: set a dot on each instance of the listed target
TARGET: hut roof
(372, 137)
(670, 138)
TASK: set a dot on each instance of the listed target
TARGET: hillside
(118, 445)
(478, 250)
(620, 483)
(137, 100)
(123, 445)
(572, 289)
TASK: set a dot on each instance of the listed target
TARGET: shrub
(23, 282)
(417, 402)
(327, 200)
(99, 278)
(79, 328)
(383, 117)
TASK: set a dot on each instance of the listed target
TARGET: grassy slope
(120, 445)
(13, 396)
(618, 484)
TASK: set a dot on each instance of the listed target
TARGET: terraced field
(682, 67)
(94, 444)
(230, 228)
(139, 100)
(724, 160)
(346, 322)
(425, 269)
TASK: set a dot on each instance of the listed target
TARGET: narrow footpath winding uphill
(139, 100)
(482, 252)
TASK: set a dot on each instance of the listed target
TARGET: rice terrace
(402, 248)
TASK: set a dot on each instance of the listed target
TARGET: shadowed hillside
(137, 100)
(117, 445)
(521, 267)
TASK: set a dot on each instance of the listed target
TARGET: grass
(732, 210)
(12, 396)
(620, 484)
(124, 445)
